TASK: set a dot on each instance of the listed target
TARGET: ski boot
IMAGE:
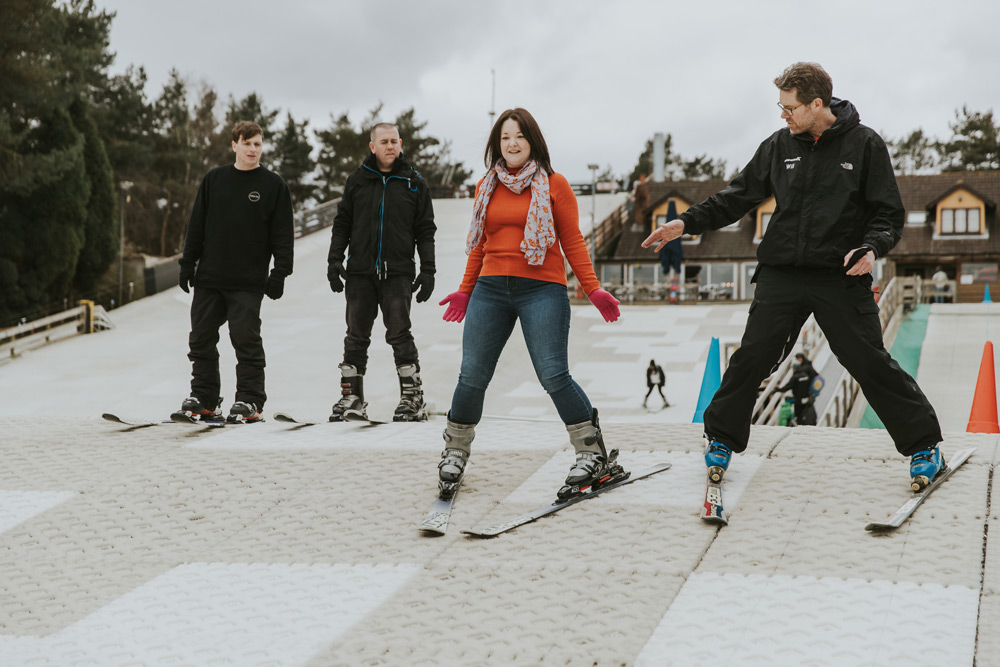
(457, 449)
(411, 406)
(244, 413)
(594, 466)
(717, 457)
(194, 408)
(925, 465)
(352, 401)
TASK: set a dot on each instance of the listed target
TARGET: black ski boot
(594, 466)
(194, 408)
(411, 406)
(244, 413)
(457, 450)
(352, 400)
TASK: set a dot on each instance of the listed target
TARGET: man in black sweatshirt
(838, 209)
(384, 215)
(242, 217)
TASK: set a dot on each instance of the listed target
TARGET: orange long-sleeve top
(499, 250)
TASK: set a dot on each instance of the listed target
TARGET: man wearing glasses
(838, 210)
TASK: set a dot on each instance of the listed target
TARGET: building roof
(918, 192)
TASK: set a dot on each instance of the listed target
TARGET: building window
(916, 217)
(960, 221)
(643, 274)
(711, 281)
(765, 219)
(978, 272)
(612, 274)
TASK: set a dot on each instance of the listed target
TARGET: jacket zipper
(380, 269)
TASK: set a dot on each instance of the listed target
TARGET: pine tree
(291, 159)
(975, 142)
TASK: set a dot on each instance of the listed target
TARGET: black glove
(186, 280)
(425, 284)
(275, 287)
(334, 275)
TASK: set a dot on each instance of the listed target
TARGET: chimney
(658, 157)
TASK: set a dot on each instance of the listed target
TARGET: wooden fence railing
(900, 293)
(85, 318)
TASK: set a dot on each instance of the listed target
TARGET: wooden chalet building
(951, 222)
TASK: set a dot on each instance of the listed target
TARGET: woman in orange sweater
(524, 219)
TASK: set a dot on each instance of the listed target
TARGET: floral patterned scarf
(539, 230)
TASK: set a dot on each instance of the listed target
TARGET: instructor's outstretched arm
(664, 233)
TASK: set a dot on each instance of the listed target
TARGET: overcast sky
(600, 77)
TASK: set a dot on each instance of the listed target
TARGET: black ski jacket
(833, 195)
(383, 217)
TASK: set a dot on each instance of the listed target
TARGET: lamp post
(124, 186)
(593, 211)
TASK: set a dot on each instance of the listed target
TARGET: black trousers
(365, 296)
(846, 311)
(209, 310)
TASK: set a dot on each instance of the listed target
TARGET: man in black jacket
(384, 214)
(242, 217)
(838, 210)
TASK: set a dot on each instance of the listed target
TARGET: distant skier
(242, 217)
(525, 217)
(838, 209)
(800, 385)
(655, 379)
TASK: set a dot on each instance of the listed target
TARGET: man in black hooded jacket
(384, 215)
(838, 210)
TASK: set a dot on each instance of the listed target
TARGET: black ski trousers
(365, 296)
(209, 310)
(846, 311)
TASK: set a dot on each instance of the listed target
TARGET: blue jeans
(543, 308)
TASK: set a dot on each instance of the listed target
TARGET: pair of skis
(286, 418)
(175, 418)
(713, 511)
(436, 522)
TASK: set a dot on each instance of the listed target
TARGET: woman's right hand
(457, 302)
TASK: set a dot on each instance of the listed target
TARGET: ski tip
(473, 533)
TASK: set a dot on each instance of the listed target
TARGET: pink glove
(606, 304)
(457, 302)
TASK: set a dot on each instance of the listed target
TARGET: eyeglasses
(788, 110)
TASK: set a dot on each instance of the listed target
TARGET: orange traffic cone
(983, 418)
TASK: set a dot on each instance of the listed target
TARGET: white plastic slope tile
(18, 506)
(571, 611)
(988, 639)
(220, 614)
(491, 434)
(802, 518)
(683, 485)
(758, 620)
(991, 578)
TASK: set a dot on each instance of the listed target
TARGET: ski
(358, 419)
(185, 418)
(125, 422)
(713, 511)
(286, 418)
(896, 519)
(436, 522)
(493, 531)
